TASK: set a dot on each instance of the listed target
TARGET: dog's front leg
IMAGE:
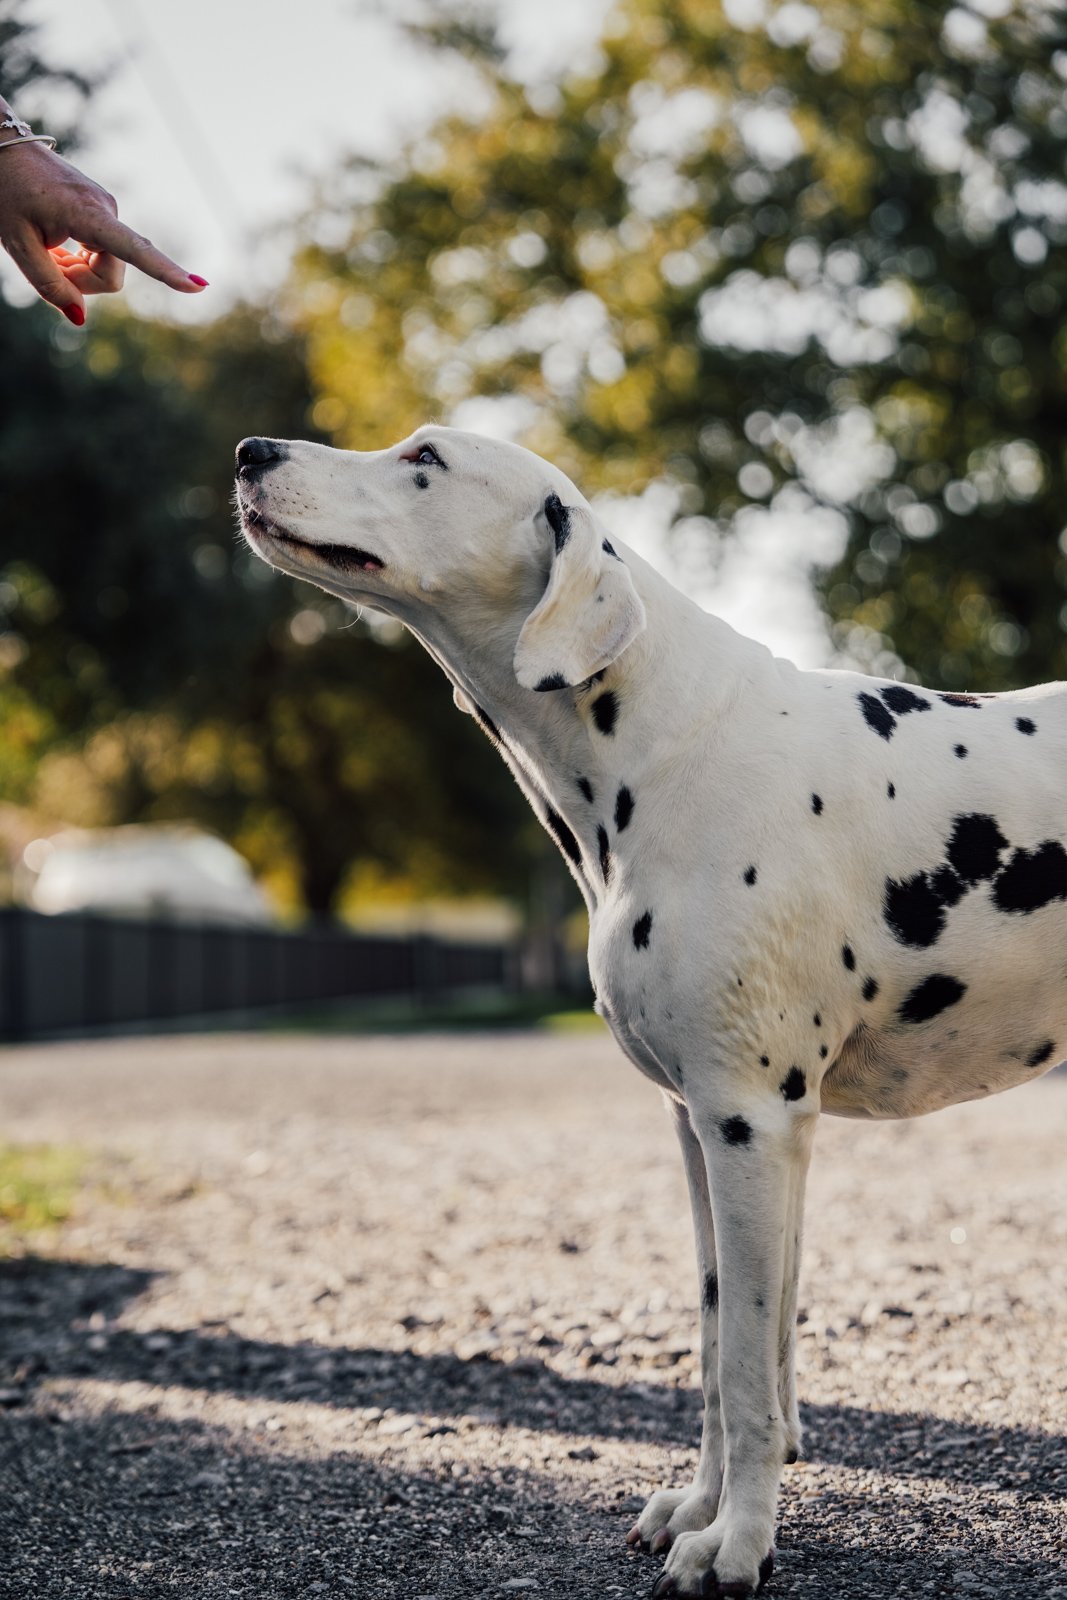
(674, 1511)
(756, 1157)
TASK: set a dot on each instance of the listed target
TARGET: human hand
(44, 202)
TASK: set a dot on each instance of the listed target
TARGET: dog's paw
(669, 1513)
(721, 1561)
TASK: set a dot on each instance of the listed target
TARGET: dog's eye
(428, 456)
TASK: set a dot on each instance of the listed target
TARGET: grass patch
(469, 1013)
(38, 1185)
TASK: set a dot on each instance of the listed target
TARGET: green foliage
(811, 258)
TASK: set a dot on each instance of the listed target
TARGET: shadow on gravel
(37, 1297)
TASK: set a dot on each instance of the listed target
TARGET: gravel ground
(415, 1317)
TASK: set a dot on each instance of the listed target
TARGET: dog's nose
(254, 454)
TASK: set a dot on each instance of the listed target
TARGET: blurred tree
(785, 256)
(153, 668)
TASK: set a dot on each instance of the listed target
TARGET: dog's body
(808, 891)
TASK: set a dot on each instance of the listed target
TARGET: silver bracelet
(24, 134)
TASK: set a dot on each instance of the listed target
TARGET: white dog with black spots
(807, 891)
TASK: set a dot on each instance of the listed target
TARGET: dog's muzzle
(255, 456)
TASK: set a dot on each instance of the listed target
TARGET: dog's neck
(573, 750)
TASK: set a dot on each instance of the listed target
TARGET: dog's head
(484, 534)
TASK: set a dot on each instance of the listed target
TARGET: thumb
(47, 277)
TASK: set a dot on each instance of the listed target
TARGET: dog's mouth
(342, 557)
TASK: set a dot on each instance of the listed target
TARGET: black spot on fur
(1032, 879)
(750, 876)
(816, 804)
(823, 1052)
(891, 791)
(902, 700)
(870, 988)
(605, 710)
(764, 1061)
(606, 545)
(1024, 725)
(555, 680)
(487, 723)
(876, 716)
(735, 1130)
(929, 998)
(961, 700)
(624, 808)
(817, 1020)
(642, 929)
(1040, 1054)
(587, 789)
(564, 837)
(709, 1298)
(947, 886)
(559, 520)
(604, 850)
(914, 910)
(848, 957)
(794, 1085)
(974, 847)
(961, 750)
(421, 481)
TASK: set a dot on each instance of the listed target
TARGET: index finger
(109, 234)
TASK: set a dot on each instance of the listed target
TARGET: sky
(216, 120)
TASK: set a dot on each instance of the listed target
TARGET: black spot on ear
(750, 876)
(1032, 879)
(794, 1085)
(709, 1298)
(624, 808)
(559, 520)
(974, 847)
(555, 680)
(848, 958)
(564, 837)
(488, 724)
(870, 988)
(816, 804)
(961, 750)
(605, 710)
(1041, 1054)
(929, 998)
(902, 700)
(606, 545)
(914, 910)
(735, 1130)
(642, 929)
(605, 852)
(891, 791)
(1024, 725)
(587, 789)
(876, 716)
(961, 700)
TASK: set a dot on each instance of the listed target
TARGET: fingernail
(201, 283)
(74, 314)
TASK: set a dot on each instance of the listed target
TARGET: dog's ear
(589, 612)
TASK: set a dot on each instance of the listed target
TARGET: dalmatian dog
(808, 891)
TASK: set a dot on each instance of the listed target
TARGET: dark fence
(82, 973)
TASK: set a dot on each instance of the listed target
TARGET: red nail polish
(74, 314)
(201, 282)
